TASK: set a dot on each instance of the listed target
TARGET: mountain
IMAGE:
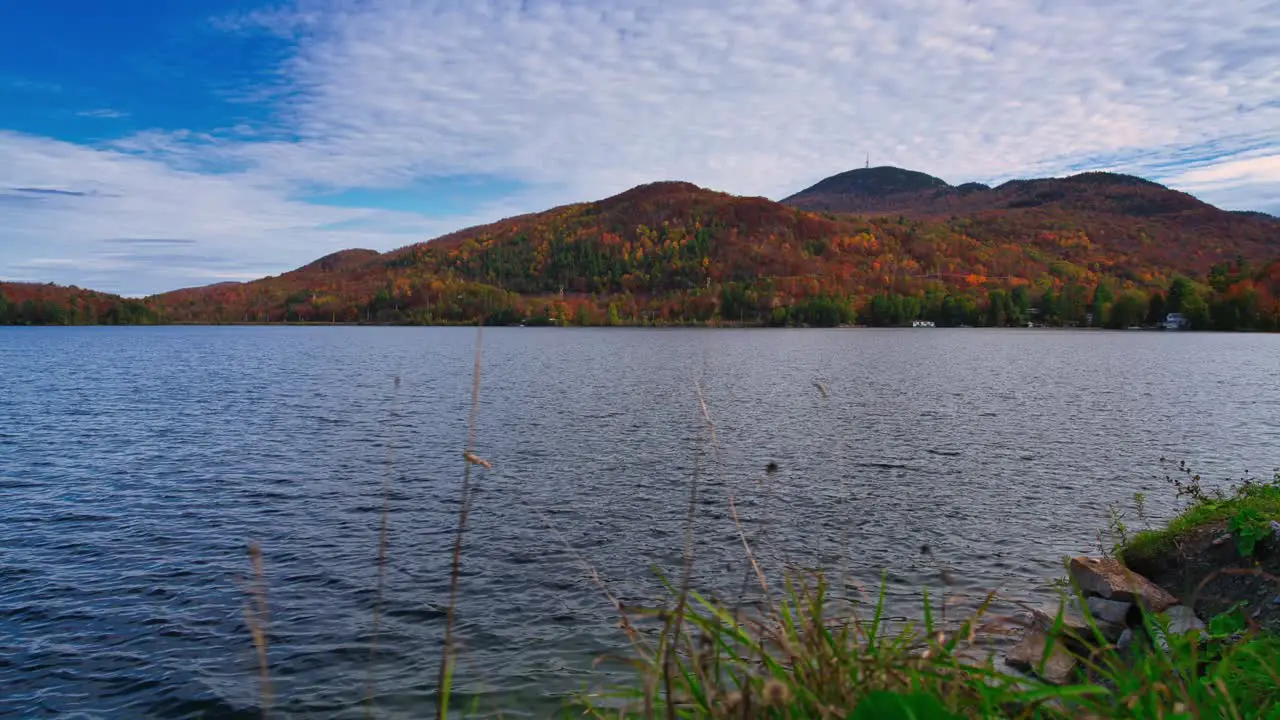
(1059, 250)
(888, 190)
(1122, 211)
(1265, 217)
(662, 246)
(674, 252)
(878, 183)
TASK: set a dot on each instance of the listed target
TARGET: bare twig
(382, 550)
(255, 616)
(733, 510)
(676, 620)
(447, 653)
(624, 621)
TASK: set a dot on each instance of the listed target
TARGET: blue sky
(149, 145)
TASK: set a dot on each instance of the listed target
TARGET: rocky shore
(1115, 606)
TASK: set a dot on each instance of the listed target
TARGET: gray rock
(1183, 620)
(1112, 611)
(1058, 668)
(1075, 627)
(1107, 578)
(1125, 641)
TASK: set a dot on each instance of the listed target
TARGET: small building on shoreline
(1175, 321)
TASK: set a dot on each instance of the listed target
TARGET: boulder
(1126, 640)
(1107, 578)
(1182, 620)
(1057, 669)
(1076, 628)
(1112, 611)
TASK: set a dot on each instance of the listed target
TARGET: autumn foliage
(1095, 249)
(33, 304)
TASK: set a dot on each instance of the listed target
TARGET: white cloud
(1248, 181)
(576, 100)
(33, 86)
(104, 114)
(129, 224)
(759, 98)
(1265, 168)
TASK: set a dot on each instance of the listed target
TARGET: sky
(148, 145)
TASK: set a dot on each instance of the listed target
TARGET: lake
(136, 464)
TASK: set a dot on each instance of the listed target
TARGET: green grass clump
(1246, 512)
(702, 659)
(797, 661)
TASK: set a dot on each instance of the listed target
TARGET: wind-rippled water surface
(136, 464)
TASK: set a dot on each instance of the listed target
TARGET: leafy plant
(1227, 624)
(1250, 527)
(1245, 507)
(1140, 506)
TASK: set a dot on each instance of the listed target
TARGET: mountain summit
(873, 182)
(895, 191)
(873, 190)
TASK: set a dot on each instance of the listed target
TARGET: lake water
(136, 464)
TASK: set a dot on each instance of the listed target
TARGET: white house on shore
(1176, 321)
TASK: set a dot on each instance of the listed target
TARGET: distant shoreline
(719, 326)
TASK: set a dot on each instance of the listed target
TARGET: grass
(448, 653)
(255, 618)
(811, 656)
(1245, 511)
(797, 661)
(798, 658)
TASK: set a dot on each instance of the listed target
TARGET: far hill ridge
(883, 245)
(890, 190)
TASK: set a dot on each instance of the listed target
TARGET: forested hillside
(1094, 249)
(1128, 215)
(32, 304)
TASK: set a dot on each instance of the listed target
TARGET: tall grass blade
(445, 683)
(382, 549)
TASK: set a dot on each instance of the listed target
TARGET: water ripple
(136, 464)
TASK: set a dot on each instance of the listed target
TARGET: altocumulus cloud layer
(577, 99)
